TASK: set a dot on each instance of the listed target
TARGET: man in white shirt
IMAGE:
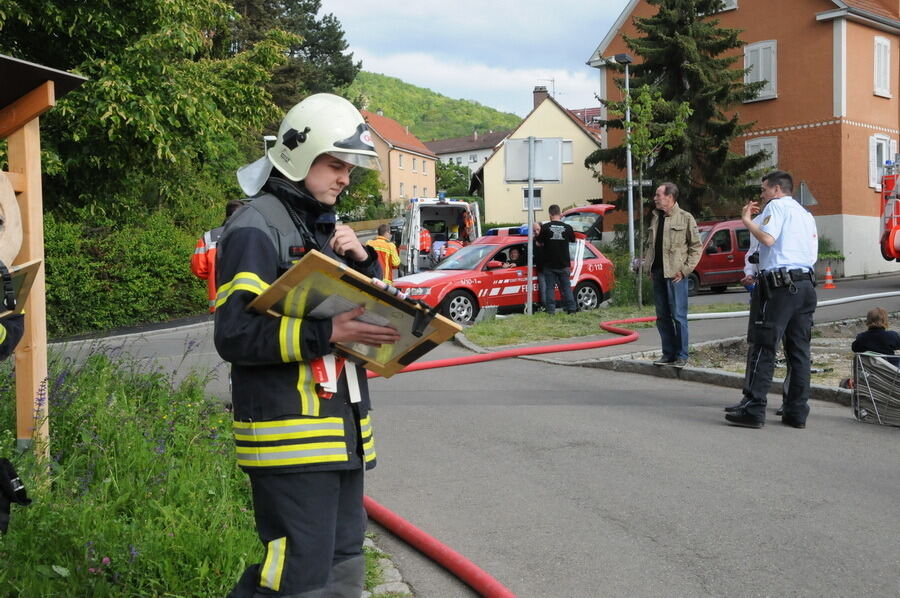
(784, 301)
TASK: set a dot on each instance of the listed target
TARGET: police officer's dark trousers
(780, 314)
(313, 526)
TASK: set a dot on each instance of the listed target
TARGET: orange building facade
(829, 114)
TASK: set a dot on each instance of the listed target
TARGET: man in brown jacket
(673, 250)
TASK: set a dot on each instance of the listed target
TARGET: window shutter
(893, 155)
(751, 61)
(873, 169)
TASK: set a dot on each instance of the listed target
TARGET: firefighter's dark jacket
(282, 422)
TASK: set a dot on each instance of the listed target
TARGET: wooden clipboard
(23, 277)
(318, 286)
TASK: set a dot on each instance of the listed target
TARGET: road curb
(636, 364)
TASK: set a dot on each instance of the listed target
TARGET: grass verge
(141, 497)
(522, 329)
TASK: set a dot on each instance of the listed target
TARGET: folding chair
(876, 392)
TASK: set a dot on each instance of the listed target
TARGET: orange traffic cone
(829, 281)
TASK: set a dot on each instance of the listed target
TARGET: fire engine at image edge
(486, 274)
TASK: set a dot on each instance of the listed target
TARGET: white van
(440, 217)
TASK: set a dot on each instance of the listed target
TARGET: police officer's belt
(780, 277)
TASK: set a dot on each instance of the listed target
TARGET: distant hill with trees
(428, 114)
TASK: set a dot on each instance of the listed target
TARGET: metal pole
(628, 167)
(530, 223)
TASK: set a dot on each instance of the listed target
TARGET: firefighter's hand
(345, 328)
(345, 243)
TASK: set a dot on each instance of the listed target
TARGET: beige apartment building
(407, 165)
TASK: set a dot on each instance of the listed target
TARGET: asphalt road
(568, 482)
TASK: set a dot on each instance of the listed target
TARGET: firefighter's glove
(11, 491)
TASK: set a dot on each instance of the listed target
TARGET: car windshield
(580, 222)
(466, 258)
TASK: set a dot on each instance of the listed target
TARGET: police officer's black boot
(737, 406)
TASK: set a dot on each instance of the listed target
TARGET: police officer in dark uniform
(302, 427)
(783, 303)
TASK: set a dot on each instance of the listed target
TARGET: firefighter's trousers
(312, 526)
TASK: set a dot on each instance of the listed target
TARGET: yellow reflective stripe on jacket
(306, 386)
(289, 339)
(273, 566)
(287, 429)
(365, 427)
(292, 454)
(2, 333)
(242, 281)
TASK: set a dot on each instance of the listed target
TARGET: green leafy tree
(159, 113)
(317, 61)
(364, 194)
(649, 135)
(452, 179)
(684, 57)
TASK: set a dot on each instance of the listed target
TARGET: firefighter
(424, 241)
(386, 251)
(203, 261)
(304, 449)
(453, 244)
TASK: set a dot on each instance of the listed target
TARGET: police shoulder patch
(766, 219)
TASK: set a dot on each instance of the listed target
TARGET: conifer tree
(682, 57)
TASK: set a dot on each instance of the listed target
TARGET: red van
(725, 246)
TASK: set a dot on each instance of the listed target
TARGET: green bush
(101, 278)
(143, 497)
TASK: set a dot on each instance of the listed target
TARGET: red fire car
(475, 277)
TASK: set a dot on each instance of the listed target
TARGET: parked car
(474, 277)
(725, 246)
(588, 220)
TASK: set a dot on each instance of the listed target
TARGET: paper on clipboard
(336, 305)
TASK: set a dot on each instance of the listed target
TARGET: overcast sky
(490, 51)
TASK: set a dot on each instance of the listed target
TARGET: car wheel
(693, 284)
(460, 306)
(587, 295)
(721, 288)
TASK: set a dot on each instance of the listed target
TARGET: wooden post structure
(31, 91)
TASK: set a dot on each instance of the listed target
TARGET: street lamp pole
(626, 60)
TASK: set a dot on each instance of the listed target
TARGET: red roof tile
(881, 8)
(395, 133)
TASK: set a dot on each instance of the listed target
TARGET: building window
(450, 160)
(473, 157)
(761, 59)
(728, 5)
(414, 164)
(424, 169)
(567, 151)
(882, 67)
(400, 164)
(402, 190)
(424, 191)
(459, 160)
(537, 198)
(881, 149)
(765, 144)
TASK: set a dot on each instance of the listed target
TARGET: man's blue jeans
(671, 299)
(553, 277)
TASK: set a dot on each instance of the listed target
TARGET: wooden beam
(27, 108)
(31, 355)
(16, 180)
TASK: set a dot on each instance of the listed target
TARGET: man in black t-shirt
(554, 238)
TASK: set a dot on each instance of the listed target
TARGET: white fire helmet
(321, 124)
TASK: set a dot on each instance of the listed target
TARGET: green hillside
(428, 115)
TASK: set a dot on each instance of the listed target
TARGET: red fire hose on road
(464, 569)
